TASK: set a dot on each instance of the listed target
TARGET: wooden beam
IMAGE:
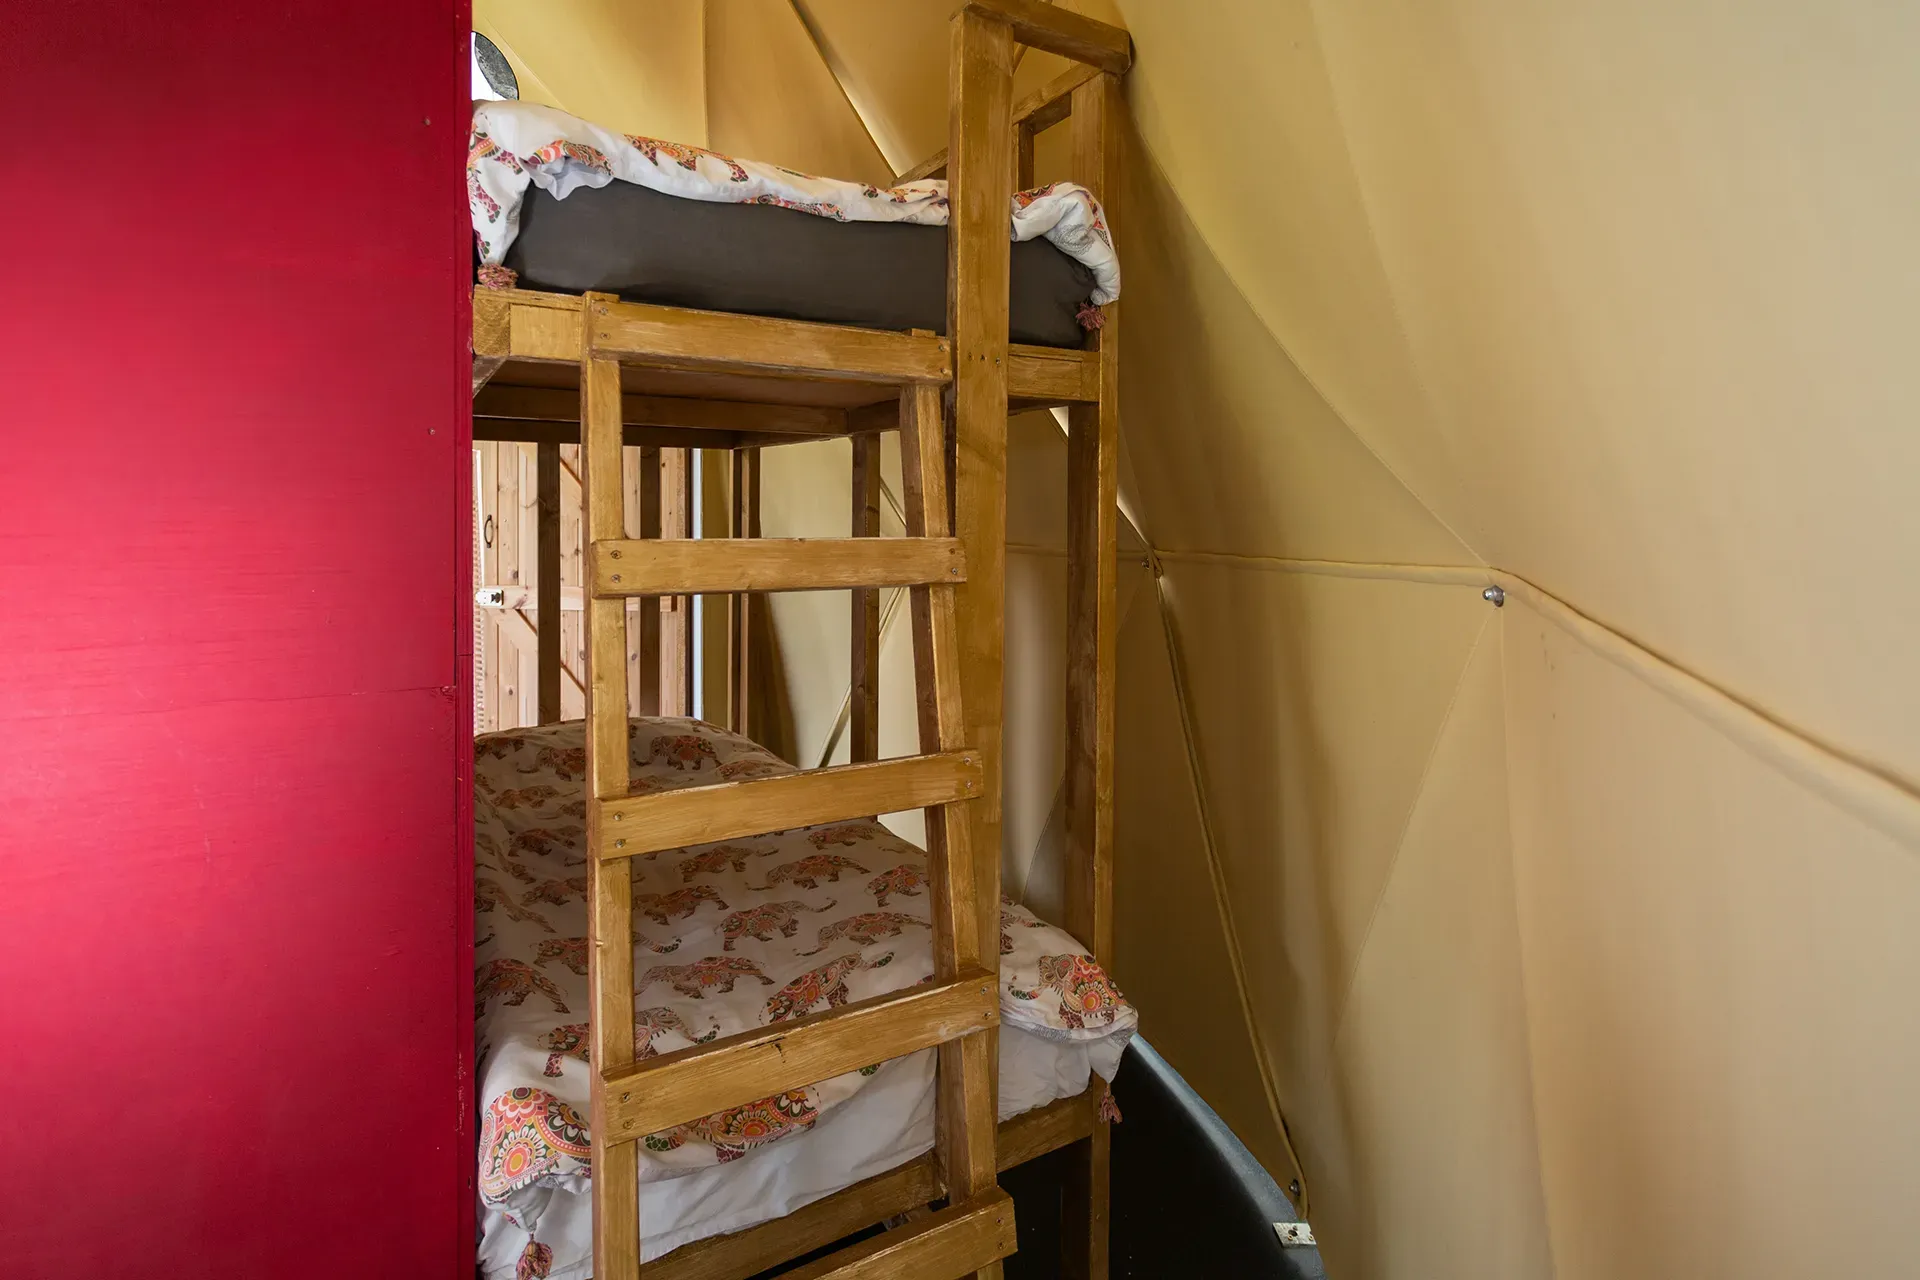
(1038, 111)
(745, 524)
(676, 608)
(977, 300)
(969, 1237)
(557, 404)
(1052, 375)
(679, 1087)
(676, 338)
(1032, 1134)
(542, 432)
(616, 1170)
(1093, 524)
(1057, 29)
(863, 698)
(637, 824)
(749, 1252)
(547, 582)
(643, 568)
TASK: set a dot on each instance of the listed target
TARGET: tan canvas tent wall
(1573, 938)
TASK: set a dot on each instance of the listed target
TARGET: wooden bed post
(676, 612)
(745, 492)
(1093, 448)
(650, 646)
(980, 169)
(863, 699)
(616, 1166)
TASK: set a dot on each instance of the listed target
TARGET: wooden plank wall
(506, 669)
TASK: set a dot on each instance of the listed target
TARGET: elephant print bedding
(729, 938)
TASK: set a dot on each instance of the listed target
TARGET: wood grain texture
(746, 1253)
(863, 698)
(1057, 29)
(646, 615)
(1093, 450)
(1037, 111)
(676, 608)
(745, 491)
(968, 1237)
(685, 1085)
(1034, 1133)
(633, 825)
(642, 567)
(616, 1227)
(980, 141)
(672, 337)
(547, 581)
(557, 404)
(543, 431)
(965, 1101)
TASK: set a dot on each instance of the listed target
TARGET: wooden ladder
(959, 1009)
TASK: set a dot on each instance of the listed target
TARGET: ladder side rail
(616, 1167)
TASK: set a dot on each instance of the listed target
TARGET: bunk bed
(643, 827)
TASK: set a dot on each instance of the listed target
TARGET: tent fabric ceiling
(1520, 924)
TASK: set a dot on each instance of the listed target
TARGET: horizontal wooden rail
(562, 404)
(688, 1084)
(745, 1253)
(956, 1241)
(633, 825)
(537, 431)
(698, 566)
(1032, 1134)
(1057, 29)
(677, 338)
(1045, 107)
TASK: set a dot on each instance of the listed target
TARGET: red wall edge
(235, 675)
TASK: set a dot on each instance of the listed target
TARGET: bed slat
(678, 338)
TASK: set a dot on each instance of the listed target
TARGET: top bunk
(815, 300)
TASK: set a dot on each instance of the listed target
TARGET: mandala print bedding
(728, 937)
(513, 144)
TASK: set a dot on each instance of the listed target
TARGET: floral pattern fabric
(516, 144)
(729, 937)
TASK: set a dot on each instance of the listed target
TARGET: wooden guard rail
(691, 566)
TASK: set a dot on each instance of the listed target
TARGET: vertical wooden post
(490, 646)
(547, 580)
(863, 720)
(965, 1109)
(1023, 157)
(980, 174)
(676, 612)
(649, 611)
(745, 524)
(616, 1169)
(1093, 448)
(980, 170)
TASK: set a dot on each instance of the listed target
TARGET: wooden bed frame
(552, 369)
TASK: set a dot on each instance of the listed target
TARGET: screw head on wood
(614, 554)
(616, 577)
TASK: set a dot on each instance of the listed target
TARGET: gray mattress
(767, 261)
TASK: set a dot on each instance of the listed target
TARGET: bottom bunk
(729, 937)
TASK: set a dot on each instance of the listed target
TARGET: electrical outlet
(1294, 1235)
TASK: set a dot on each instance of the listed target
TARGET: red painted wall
(235, 982)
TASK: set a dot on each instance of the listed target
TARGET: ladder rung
(629, 826)
(673, 337)
(956, 1241)
(696, 566)
(691, 1083)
